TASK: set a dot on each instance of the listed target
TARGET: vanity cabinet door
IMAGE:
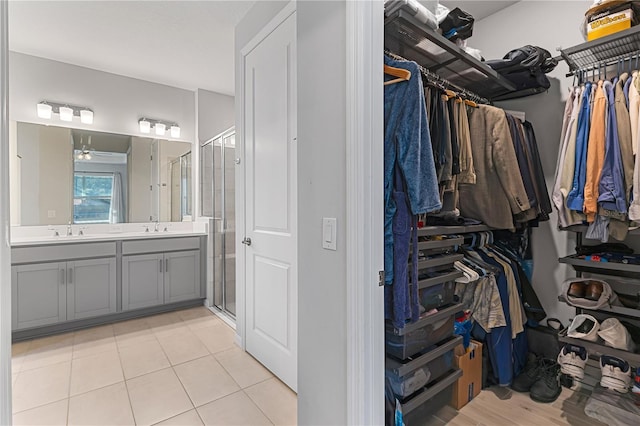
(182, 276)
(91, 288)
(142, 281)
(39, 294)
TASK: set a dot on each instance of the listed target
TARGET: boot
(547, 388)
(528, 376)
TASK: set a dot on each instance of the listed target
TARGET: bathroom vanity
(64, 282)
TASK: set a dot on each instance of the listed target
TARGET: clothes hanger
(402, 74)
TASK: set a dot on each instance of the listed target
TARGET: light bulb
(86, 116)
(44, 110)
(175, 131)
(66, 113)
(145, 126)
(160, 129)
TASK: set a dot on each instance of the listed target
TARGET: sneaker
(636, 384)
(528, 376)
(547, 388)
(572, 360)
(616, 374)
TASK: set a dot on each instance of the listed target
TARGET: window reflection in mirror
(62, 175)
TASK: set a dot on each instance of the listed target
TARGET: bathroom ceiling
(186, 44)
(478, 8)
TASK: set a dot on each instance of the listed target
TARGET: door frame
(365, 212)
(5, 237)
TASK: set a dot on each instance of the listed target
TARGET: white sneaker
(616, 374)
(572, 360)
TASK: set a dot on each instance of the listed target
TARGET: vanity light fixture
(145, 126)
(159, 127)
(86, 116)
(44, 110)
(66, 112)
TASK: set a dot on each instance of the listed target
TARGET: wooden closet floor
(486, 409)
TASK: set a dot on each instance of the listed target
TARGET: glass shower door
(218, 202)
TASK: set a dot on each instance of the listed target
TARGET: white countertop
(32, 236)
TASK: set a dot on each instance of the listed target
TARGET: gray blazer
(498, 193)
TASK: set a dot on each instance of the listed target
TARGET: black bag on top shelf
(457, 24)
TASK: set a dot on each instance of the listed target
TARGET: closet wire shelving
(603, 52)
(593, 57)
(407, 37)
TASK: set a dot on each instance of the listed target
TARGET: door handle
(166, 265)
(70, 275)
(246, 241)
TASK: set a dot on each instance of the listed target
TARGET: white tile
(166, 324)
(142, 358)
(41, 386)
(205, 380)
(95, 371)
(200, 317)
(50, 414)
(93, 341)
(105, 406)
(182, 347)
(190, 418)
(48, 350)
(132, 332)
(244, 369)
(157, 396)
(217, 338)
(235, 409)
(276, 400)
(18, 354)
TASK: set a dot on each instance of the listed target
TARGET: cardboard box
(469, 384)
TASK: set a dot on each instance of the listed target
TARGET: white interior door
(271, 202)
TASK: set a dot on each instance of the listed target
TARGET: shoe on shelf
(636, 383)
(616, 374)
(547, 388)
(572, 359)
(593, 290)
(528, 376)
(577, 289)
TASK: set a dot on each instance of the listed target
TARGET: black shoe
(528, 376)
(547, 388)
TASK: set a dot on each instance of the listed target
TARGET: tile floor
(179, 368)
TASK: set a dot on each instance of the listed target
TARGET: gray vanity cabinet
(142, 281)
(91, 288)
(160, 271)
(39, 294)
(182, 276)
(49, 293)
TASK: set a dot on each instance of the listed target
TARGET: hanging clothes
(499, 192)
(407, 154)
(595, 153)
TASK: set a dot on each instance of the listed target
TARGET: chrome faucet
(156, 228)
(69, 230)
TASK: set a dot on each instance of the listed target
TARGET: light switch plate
(329, 233)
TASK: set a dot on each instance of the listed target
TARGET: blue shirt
(611, 187)
(575, 199)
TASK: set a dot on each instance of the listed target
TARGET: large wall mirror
(66, 175)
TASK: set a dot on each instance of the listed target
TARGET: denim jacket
(407, 141)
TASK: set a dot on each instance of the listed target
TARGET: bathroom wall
(139, 166)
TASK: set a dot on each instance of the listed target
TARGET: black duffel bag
(458, 24)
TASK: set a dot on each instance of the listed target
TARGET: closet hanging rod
(436, 80)
(603, 64)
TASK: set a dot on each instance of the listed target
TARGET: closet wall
(526, 22)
